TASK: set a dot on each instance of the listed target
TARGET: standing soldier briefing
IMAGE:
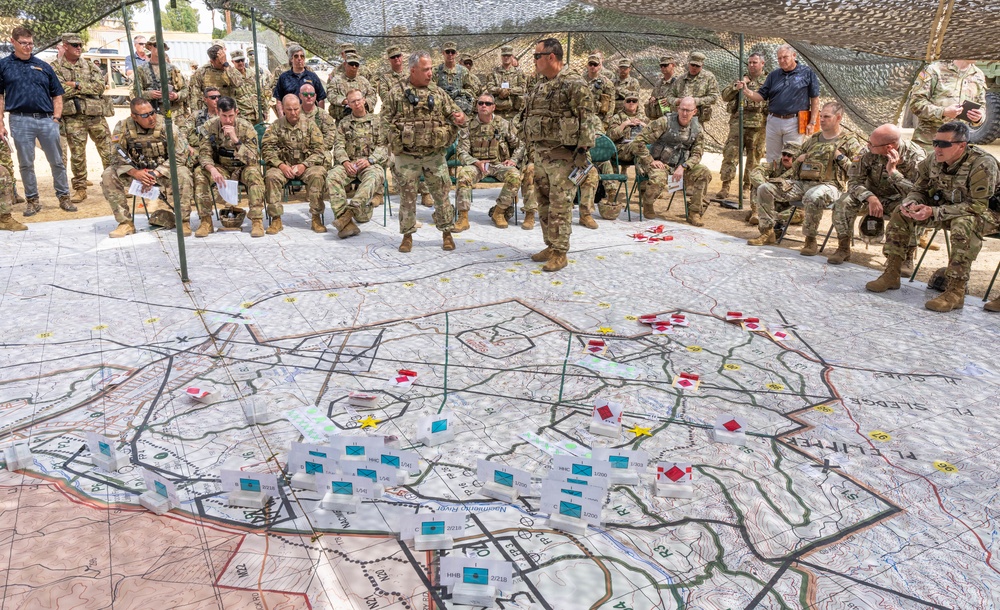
(754, 120)
(84, 109)
(657, 105)
(421, 122)
(559, 130)
(698, 83)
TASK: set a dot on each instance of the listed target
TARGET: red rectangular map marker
(731, 425)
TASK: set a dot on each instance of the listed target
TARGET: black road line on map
(136, 301)
(770, 585)
(489, 536)
(874, 586)
(434, 591)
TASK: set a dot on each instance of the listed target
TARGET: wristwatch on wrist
(684, 165)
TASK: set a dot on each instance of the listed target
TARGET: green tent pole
(168, 119)
(256, 66)
(131, 52)
(739, 102)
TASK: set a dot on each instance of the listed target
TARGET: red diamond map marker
(731, 425)
(605, 412)
(675, 474)
(685, 383)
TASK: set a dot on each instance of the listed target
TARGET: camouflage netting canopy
(867, 52)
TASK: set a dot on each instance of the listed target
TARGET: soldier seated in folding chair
(228, 151)
(677, 143)
(777, 174)
(819, 176)
(293, 150)
(361, 152)
(487, 146)
(623, 127)
(141, 154)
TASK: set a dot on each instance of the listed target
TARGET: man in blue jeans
(30, 91)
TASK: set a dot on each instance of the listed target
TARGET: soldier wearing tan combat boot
(360, 153)
(953, 190)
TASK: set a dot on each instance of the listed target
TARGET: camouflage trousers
(434, 169)
(6, 190)
(966, 238)
(696, 181)
(421, 187)
(315, 180)
(248, 176)
(815, 197)
(115, 188)
(588, 191)
(611, 186)
(753, 148)
(370, 178)
(555, 193)
(77, 129)
(528, 194)
(848, 208)
(468, 175)
(7, 161)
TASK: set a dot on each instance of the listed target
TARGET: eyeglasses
(450, 52)
(298, 56)
(29, 43)
(945, 143)
(213, 97)
(538, 56)
(359, 100)
(593, 65)
(239, 61)
(308, 94)
(143, 115)
(75, 45)
(480, 103)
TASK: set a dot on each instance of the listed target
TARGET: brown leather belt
(784, 116)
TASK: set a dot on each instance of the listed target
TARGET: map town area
(673, 421)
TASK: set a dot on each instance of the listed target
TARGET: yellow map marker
(639, 431)
(369, 422)
(945, 467)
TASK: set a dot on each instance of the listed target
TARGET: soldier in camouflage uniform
(754, 120)
(216, 73)
(148, 77)
(625, 84)
(84, 109)
(339, 84)
(455, 79)
(393, 74)
(602, 90)
(698, 83)
(194, 133)
(421, 121)
(293, 150)
(246, 94)
(141, 154)
(487, 147)
(780, 174)
(622, 130)
(8, 162)
(360, 153)
(467, 61)
(366, 70)
(820, 178)
(559, 131)
(508, 85)
(7, 192)
(228, 151)
(878, 180)
(938, 94)
(266, 80)
(953, 190)
(326, 123)
(657, 105)
(677, 141)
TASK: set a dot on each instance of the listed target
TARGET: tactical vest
(218, 79)
(487, 143)
(513, 102)
(603, 95)
(176, 84)
(226, 156)
(422, 123)
(548, 117)
(147, 150)
(948, 189)
(81, 104)
(452, 85)
(673, 147)
(360, 138)
(820, 164)
(292, 142)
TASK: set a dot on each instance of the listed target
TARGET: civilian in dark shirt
(30, 91)
(788, 91)
(291, 80)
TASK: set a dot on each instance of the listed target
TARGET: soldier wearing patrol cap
(466, 60)
(392, 74)
(754, 121)
(148, 77)
(602, 90)
(625, 84)
(339, 84)
(455, 79)
(657, 104)
(778, 173)
(508, 85)
(246, 94)
(698, 83)
(364, 69)
(218, 73)
(84, 109)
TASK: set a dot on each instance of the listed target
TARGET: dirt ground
(730, 222)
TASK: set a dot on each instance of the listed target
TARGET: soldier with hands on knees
(360, 153)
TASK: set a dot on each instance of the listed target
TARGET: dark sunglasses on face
(308, 94)
(787, 155)
(395, 56)
(944, 143)
(213, 97)
(239, 61)
(450, 52)
(593, 65)
(484, 103)
(75, 45)
(538, 56)
(144, 115)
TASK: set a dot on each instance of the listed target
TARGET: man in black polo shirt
(30, 91)
(292, 80)
(792, 89)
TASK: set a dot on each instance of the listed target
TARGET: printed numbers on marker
(694, 348)
(945, 467)
(332, 295)
(408, 284)
(878, 435)
(731, 367)
(152, 320)
(776, 387)
(44, 335)
(290, 299)
(824, 409)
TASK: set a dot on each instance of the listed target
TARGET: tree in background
(181, 19)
